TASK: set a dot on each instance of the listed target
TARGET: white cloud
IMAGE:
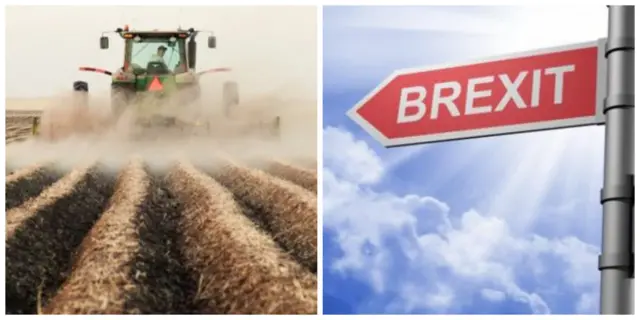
(493, 295)
(588, 303)
(449, 259)
(363, 218)
(442, 298)
(351, 159)
(413, 295)
(482, 251)
(579, 257)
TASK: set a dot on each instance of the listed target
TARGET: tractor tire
(82, 86)
(230, 97)
(80, 96)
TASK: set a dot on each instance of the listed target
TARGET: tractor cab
(155, 53)
(153, 57)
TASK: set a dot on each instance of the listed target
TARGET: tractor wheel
(80, 94)
(230, 96)
(68, 119)
(81, 86)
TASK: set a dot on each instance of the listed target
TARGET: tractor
(158, 79)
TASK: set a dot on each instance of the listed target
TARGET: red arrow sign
(539, 90)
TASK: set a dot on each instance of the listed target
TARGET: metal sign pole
(616, 261)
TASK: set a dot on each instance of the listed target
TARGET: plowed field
(191, 237)
(19, 125)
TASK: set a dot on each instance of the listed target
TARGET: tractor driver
(159, 55)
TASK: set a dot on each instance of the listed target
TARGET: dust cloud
(270, 49)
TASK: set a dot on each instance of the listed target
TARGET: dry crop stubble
(54, 252)
(288, 211)
(38, 254)
(23, 172)
(252, 274)
(28, 182)
(99, 281)
(241, 270)
(17, 215)
(305, 178)
(163, 282)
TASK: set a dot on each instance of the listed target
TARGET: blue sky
(494, 225)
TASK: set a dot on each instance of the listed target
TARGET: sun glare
(523, 170)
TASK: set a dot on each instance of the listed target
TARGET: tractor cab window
(158, 53)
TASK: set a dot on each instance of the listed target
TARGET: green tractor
(158, 77)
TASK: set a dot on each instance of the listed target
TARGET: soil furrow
(61, 188)
(302, 177)
(100, 279)
(40, 253)
(20, 173)
(163, 285)
(288, 211)
(241, 270)
(29, 182)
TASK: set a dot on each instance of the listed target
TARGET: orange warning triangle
(155, 84)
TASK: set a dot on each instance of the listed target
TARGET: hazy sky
(269, 48)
